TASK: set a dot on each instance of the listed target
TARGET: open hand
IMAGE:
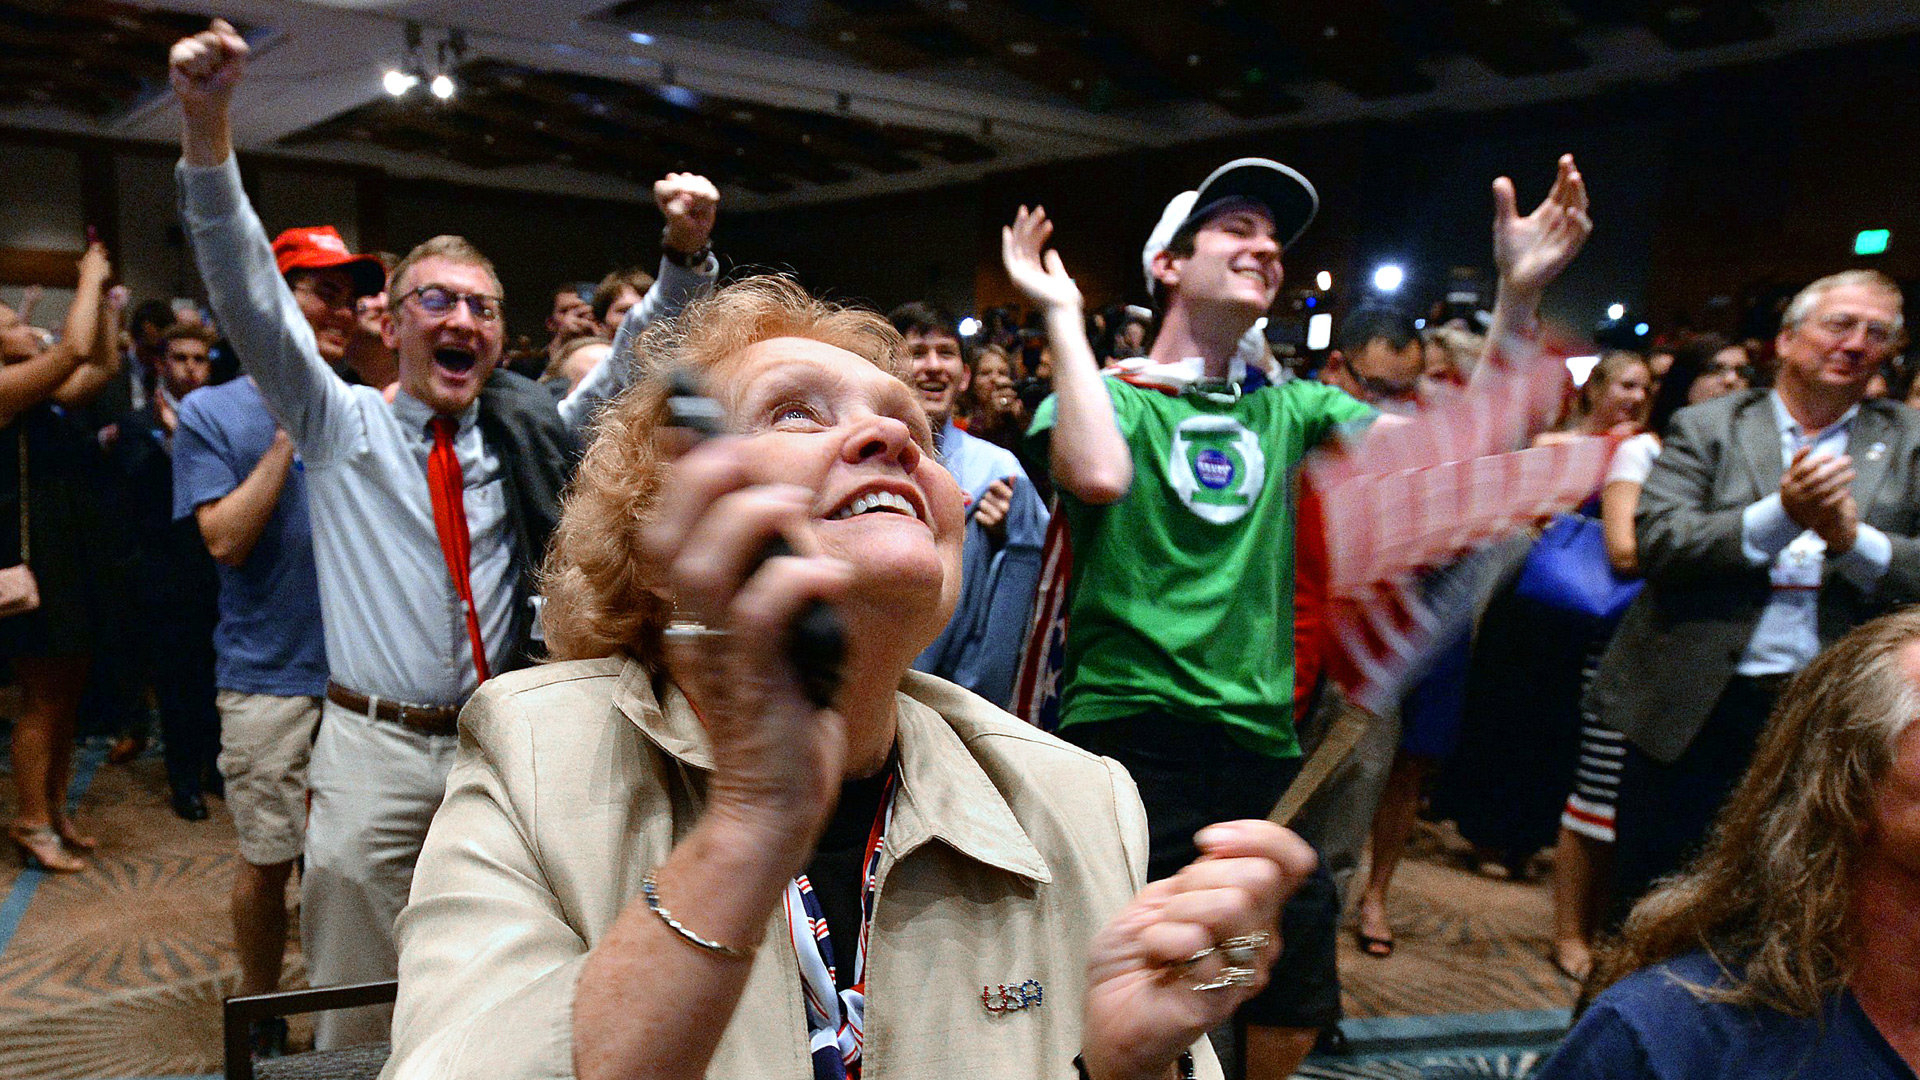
(691, 204)
(1531, 251)
(205, 67)
(1143, 1004)
(1041, 277)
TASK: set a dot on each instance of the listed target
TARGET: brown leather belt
(426, 719)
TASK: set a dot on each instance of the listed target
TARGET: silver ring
(690, 632)
(1242, 951)
(1230, 977)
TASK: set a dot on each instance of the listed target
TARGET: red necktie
(450, 521)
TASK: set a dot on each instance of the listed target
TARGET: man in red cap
(327, 280)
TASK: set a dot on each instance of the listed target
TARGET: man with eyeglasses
(1773, 522)
(431, 505)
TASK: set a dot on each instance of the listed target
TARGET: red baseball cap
(320, 247)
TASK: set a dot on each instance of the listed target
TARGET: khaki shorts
(265, 740)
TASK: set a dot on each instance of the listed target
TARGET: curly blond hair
(602, 598)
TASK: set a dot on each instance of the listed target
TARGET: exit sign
(1871, 241)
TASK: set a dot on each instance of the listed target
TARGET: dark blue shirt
(269, 640)
(1648, 1025)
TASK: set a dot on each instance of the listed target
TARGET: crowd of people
(497, 646)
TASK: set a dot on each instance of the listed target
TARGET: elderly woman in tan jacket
(659, 859)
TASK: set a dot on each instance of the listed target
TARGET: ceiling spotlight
(1388, 277)
(1640, 329)
(1616, 311)
(1324, 280)
(441, 87)
(398, 82)
(969, 326)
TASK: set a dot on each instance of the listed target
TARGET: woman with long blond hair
(1791, 946)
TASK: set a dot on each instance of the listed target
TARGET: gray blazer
(1678, 645)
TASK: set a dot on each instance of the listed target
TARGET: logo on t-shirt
(1216, 467)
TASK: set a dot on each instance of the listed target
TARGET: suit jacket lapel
(1757, 432)
(1868, 446)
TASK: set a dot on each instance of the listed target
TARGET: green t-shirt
(1183, 589)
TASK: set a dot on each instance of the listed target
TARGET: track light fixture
(439, 81)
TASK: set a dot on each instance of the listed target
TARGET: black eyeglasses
(438, 302)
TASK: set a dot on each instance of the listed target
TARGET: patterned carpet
(119, 971)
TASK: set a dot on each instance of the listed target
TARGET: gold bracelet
(650, 889)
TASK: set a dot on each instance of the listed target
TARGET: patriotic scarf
(836, 1019)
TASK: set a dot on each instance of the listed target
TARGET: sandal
(40, 848)
(71, 836)
(1377, 947)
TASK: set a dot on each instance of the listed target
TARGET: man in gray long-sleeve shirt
(429, 515)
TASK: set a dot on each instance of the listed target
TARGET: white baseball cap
(1287, 196)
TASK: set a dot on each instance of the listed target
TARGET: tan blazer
(1008, 850)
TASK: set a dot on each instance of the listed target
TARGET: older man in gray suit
(1774, 521)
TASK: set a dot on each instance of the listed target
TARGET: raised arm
(1087, 455)
(103, 363)
(29, 382)
(231, 525)
(262, 319)
(691, 204)
(1531, 251)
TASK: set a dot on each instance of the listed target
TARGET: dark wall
(1706, 191)
(536, 242)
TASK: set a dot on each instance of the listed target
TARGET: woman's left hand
(1145, 1001)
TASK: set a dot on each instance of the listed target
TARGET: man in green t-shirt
(1175, 482)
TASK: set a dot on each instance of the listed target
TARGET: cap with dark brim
(1286, 194)
(320, 247)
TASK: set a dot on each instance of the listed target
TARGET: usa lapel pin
(1012, 998)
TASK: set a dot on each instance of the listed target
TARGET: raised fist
(205, 67)
(690, 203)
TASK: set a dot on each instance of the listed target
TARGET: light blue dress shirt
(394, 625)
(1788, 634)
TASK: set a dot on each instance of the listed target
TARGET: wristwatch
(686, 260)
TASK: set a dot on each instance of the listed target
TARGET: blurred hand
(205, 67)
(778, 758)
(991, 511)
(691, 204)
(1042, 278)
(1810, 481)
(1142, 1007)
(95, 268)
(1531, 251)
(1816, 493)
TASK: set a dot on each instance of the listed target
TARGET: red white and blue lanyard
(836, 1019)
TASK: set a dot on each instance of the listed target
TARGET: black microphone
(816, 642)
